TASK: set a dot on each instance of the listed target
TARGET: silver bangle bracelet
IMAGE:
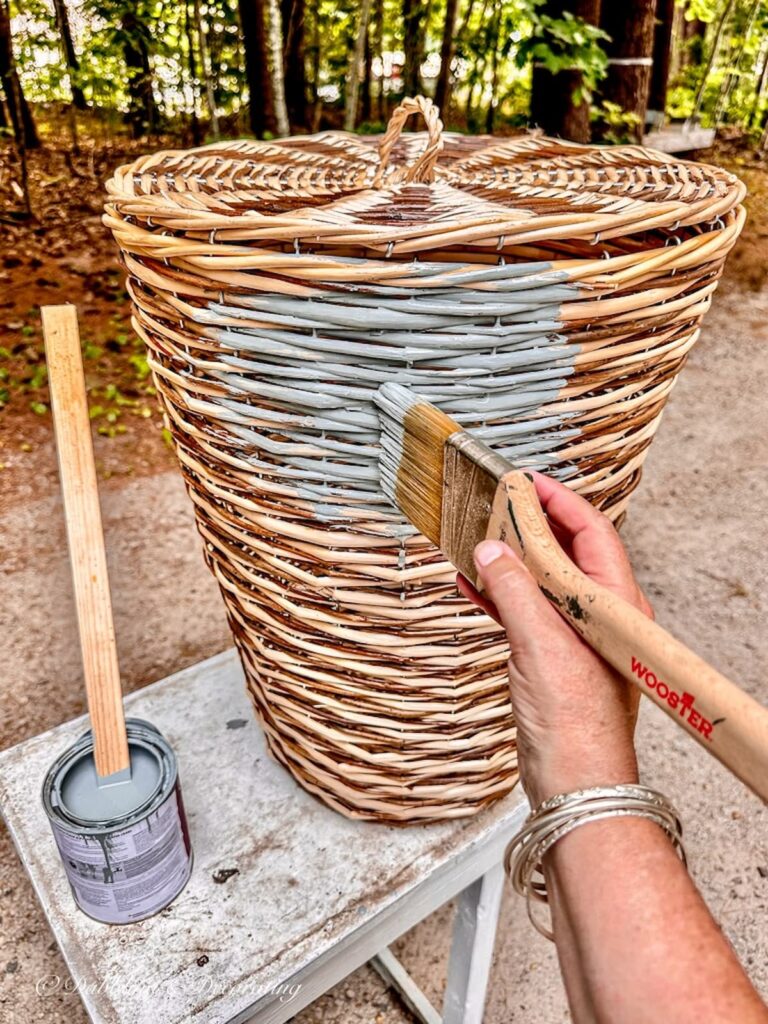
(561, 814)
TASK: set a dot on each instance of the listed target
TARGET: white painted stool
(307, 895)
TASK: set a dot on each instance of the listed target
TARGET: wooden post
(474, 935)
(86, 540)
(630, 25)
(662, 53)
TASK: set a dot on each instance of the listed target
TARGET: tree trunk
(275, 37)
(552, 105)
(24, 129)
(753, 120)
(205, 66)
(70, 57)
(192, 66)
(733, 62)
(469, 107)
(378, 49)
(715, 49)
(476, 71)
(261, 104)
(692, 42)
(142, 113)
(491, 114)
(463, 27)
(443, 88)
(413, 45)
(662, 53)
(314, 85)
(72, 120)
(675, 53)
(630, 25)
(293, 15)
(365, 85)
(355, 66)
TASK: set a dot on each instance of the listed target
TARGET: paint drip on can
(125, 847)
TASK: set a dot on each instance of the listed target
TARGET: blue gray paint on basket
(484, 344)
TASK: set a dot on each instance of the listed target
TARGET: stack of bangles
(556, 817)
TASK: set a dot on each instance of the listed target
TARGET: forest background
(574, 67)
(88, 84)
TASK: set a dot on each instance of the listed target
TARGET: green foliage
(702, 10)
(91, 351)
(102, 33)
(731, 92)
(140, 365)
(496, 44)
(39, 378)
(371, 127)
(567, 43)
(619, 124)
(108, 409)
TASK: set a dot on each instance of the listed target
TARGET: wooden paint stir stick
(86, 543)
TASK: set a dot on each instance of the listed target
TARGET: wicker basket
(544, 294)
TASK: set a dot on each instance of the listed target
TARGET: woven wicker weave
(544, 294)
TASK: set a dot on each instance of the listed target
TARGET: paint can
(125, 847)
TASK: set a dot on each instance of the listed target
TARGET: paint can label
(128, 874)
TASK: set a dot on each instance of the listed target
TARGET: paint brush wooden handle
(720, 716)
(85, 537)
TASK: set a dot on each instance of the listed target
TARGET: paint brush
(458, 492)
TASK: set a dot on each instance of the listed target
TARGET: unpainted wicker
(544, 294)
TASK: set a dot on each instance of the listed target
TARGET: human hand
(575, 715)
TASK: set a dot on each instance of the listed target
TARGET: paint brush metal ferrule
(478, 452)
(471, 476)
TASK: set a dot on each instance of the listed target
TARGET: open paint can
(125, 846)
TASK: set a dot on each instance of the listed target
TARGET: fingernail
(488, 551)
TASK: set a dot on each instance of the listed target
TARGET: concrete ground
(696, 534)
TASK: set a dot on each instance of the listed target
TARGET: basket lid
(403, 194)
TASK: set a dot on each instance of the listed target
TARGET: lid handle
(423, 167)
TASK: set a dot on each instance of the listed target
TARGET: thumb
(524, 612)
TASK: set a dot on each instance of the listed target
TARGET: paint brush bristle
(413, 439)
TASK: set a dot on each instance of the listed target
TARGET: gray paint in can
(125, 847)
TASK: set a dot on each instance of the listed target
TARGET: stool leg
(474, 936)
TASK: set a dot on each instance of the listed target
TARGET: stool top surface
(306, 878)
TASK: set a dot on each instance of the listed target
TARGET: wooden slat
(474, 936)
(389, 968)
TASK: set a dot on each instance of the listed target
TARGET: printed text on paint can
(683, 703)
(128, 874)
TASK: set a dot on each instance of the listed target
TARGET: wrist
(567, 768)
